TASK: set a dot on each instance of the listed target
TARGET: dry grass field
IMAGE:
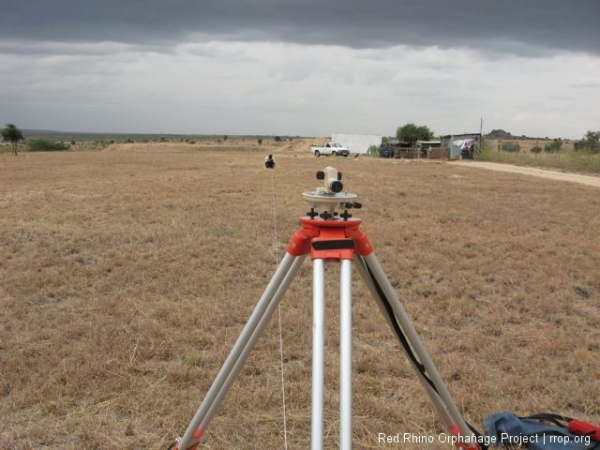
(566, 160)
(126, 276)
(527, 144)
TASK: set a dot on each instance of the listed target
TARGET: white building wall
(357, 143)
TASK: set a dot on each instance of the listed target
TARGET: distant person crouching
(269, 162)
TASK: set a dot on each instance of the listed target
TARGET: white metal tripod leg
(318, 362)
(346, 354)
(287, 268)
(415, 342)
(318, 354)
(250, 344)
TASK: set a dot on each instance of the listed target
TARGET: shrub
(553, 146)
(46, 145)
(536, 149)
(510, 146)
(373, 150)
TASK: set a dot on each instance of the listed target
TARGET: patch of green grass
(45, 145)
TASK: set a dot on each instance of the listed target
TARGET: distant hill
(43, 132)
(500, 134)
(121, 137)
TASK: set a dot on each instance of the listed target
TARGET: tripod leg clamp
(461, 442)
(175, 444)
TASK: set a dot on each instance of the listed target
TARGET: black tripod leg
(390, 304)
(388, 314)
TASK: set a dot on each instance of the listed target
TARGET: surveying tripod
(330, 236)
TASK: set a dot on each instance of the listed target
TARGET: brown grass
(526, 145)
(566, 160)
(127, 275)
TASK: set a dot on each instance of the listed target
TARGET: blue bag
(508, 429)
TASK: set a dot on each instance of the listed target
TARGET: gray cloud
(509, 26)
(303, 67)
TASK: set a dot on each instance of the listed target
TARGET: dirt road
(588, 180)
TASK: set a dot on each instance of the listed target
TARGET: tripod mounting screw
(346, 215)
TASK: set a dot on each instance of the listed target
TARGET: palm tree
(12, 134)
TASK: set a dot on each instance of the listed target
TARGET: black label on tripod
(342, 244)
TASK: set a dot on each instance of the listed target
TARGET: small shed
(462, 146)
(357, 143)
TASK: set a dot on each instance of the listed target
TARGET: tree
(12, 134)
(412, 133)
(591, 142)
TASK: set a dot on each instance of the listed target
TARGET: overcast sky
(303, 67)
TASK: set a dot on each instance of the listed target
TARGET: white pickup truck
(331, 148)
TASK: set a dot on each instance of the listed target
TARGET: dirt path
(588, 180)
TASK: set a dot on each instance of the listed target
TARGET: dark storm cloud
(513, 26)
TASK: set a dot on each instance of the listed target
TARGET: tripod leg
(318, 354)
(346, 354)
(440, 394)
(364, 273)
(258, 320)
(318, 361)
(250, 344)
